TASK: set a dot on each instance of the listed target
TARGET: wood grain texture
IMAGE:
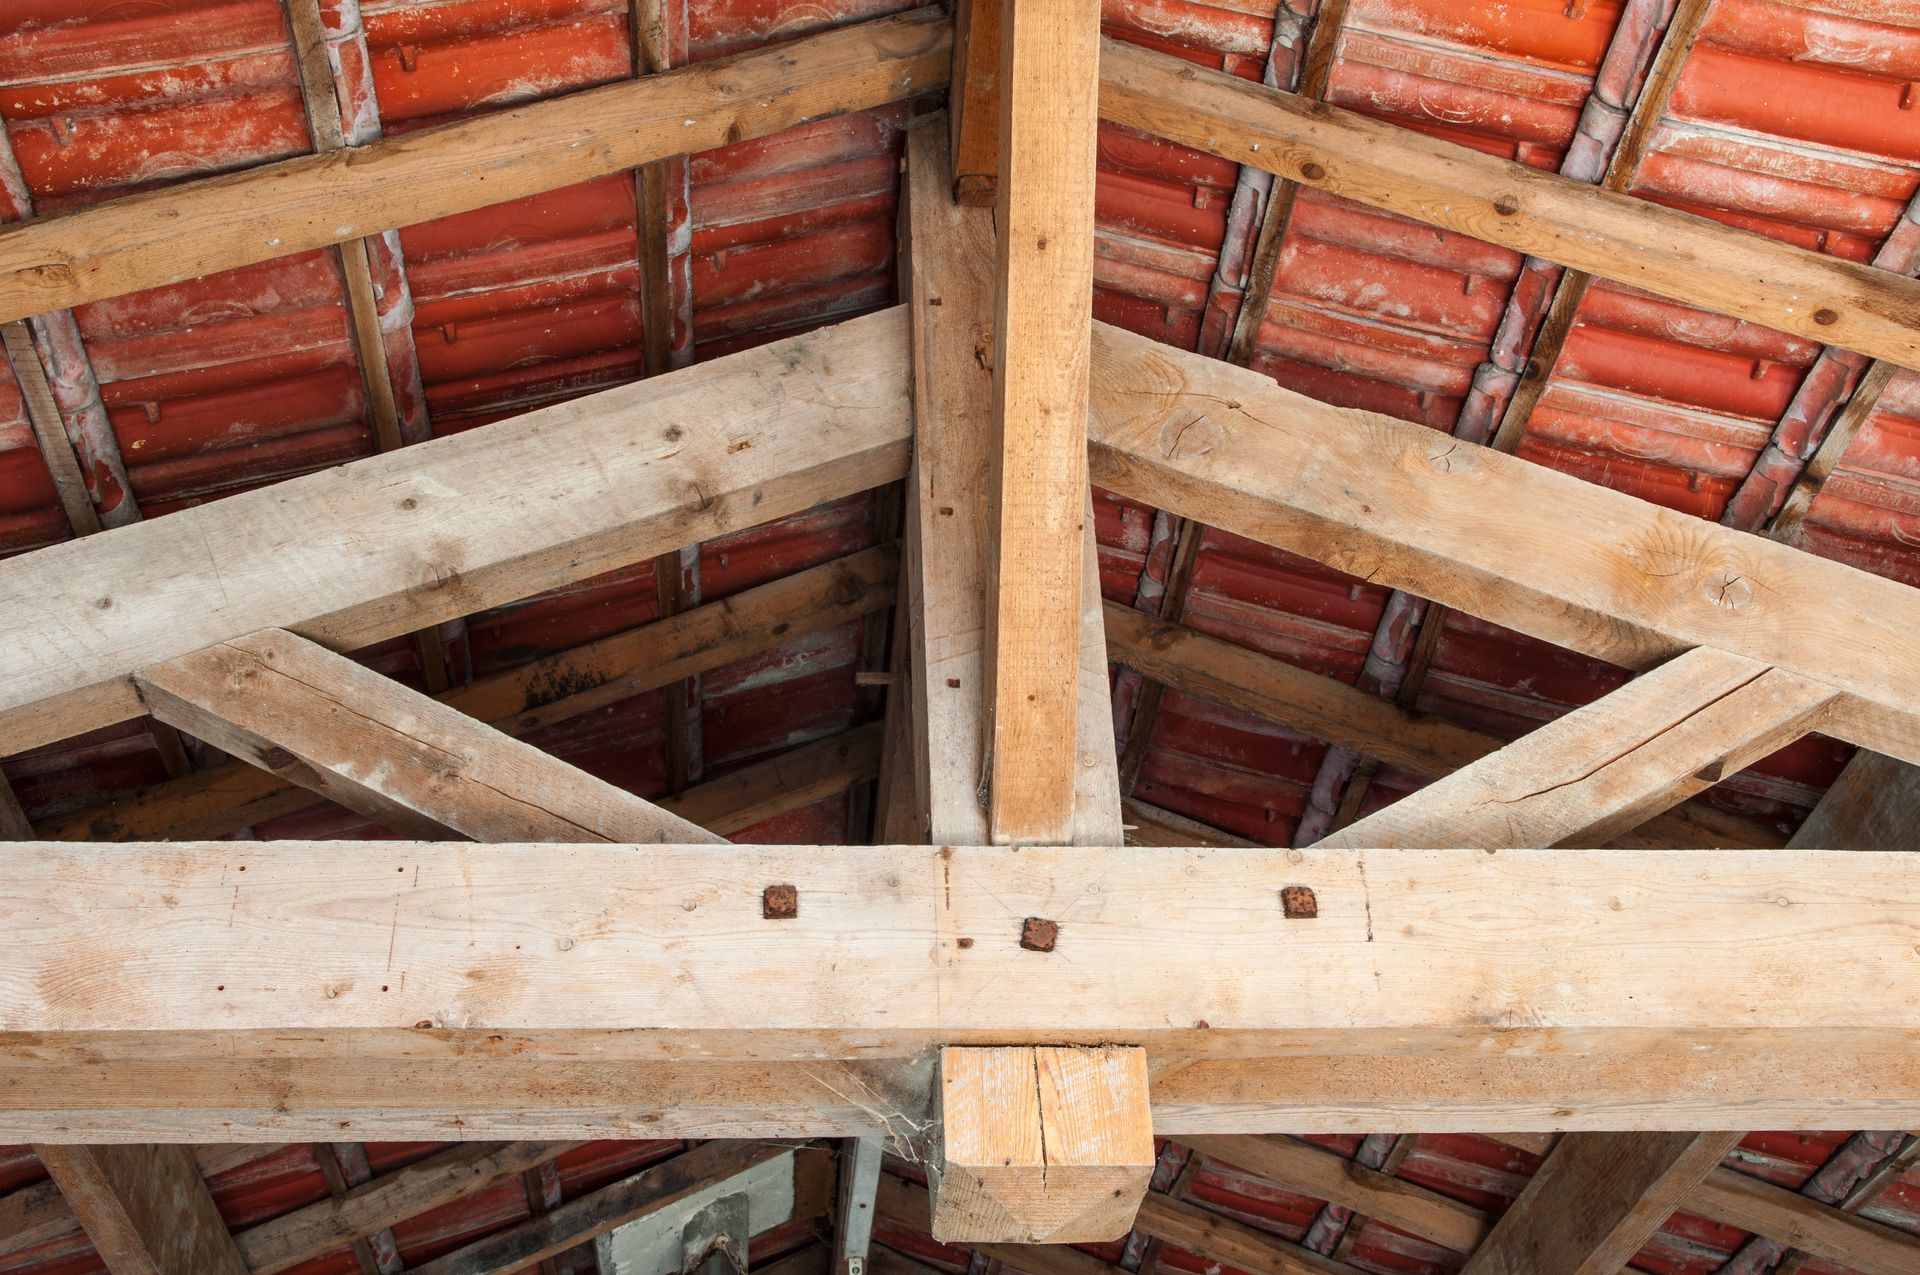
(1609, 766)
(457, 524)
(1210, 668)
(294, 205)
(1037, 484)
(319, 1228)
(145, 1208)
(1578, 565)
(1873, 805)
(1671, 254)
(1229, 1242)
(1040, 1145)
(1596, 1201)
(369, 948)
(950, 255)
(1819, 1229)
(579, 1220)
(402, 759)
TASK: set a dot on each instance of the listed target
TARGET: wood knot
(1729, 590)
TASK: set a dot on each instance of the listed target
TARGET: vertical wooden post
(1049, 120)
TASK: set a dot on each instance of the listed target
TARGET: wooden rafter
(1602, 572)
(1598, 1198)
(1606, 768)
(554, 689)
(1210, 668)
(457, 524)
(419, 767)
(1613, 236)
(314, 201)
(145, 1208)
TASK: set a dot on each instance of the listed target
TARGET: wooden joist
(1598, 1198)
(333, 1223)
(1725, 1195)
(392, 543)
(1608, 767)
(145, 1208)
(1672, 254)
(294, 205)
(1599, 571)
(416, 766)
(148, 981)
(1037, 496)
(949, 251)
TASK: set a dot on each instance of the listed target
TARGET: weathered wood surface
(392, 543)
(949, 253)
(1518, 544)
(145, 1208)
(1596, 1201)
(1609, 766)
(1040, 1145)
(1037, 476)
(1672, 254)
(402, 759)
(148, 983)
(294, 205)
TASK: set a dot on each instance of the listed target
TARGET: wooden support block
(1041, 1145)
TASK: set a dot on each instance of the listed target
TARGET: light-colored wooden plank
(1037, 487)
(1045, 1145)
(145, 1208)
(950, 254)
(284, 704)
(455, 525)
(1201, 665)
(1596, 1201)
(295, 205)
(1671, 254)
(323, 955)
(1873, 805)
(1596, 570)
(319, 1228)
(1609, 766)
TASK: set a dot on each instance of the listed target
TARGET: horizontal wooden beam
(1601, 572)
(392, 543)
(234, 989)
(1672, 254)
(294, 205)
